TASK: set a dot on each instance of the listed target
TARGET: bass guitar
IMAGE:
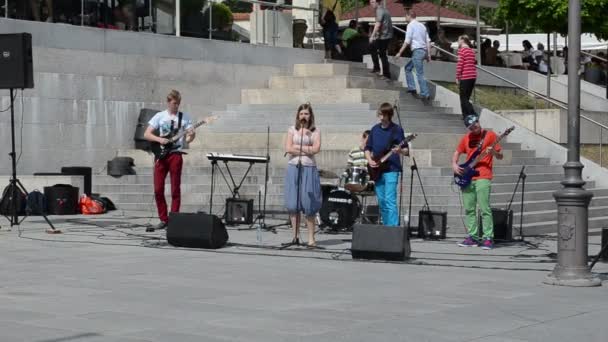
(376, 172)
(162, 151)
(468, 167)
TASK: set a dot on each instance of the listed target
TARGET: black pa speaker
(503, 225)
(372, 241)
(238, 211)
(145, 115)
(16, 61)
(196, 230)
(432, 224)
(61, 199)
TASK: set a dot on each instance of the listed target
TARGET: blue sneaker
(487, 244)
(468, 242)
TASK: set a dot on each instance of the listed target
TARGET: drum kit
(344, 204)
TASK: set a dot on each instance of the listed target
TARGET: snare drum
(340, 209)
(357, 180)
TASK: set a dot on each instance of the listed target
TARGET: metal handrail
(594, 56)
(536, 94)
(523, 88)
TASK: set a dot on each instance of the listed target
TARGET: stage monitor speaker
(238, 211)
(196, 230)
(432, 224)
(503, 225)
(16, 61)
(372, 241)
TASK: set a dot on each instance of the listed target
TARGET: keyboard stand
(234, 188)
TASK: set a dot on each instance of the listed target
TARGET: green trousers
(474, 195)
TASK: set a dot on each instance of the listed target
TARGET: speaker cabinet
(145, 115)
(196, 230)
(432, 224)
(238, 211)
(16, 61)
(372, 241)
(61, 199)
(503, 225)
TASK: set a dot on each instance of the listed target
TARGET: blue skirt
(310, 190)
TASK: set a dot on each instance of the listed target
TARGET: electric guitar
(162, 151)
(376, 172)
(468, 166)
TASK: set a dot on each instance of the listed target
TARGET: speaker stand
(15, 184)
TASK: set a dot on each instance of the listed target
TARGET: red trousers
(171, 164)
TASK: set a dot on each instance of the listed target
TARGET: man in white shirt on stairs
(417, 38)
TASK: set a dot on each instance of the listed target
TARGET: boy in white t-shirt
(164, 123)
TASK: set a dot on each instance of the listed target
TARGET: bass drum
(340, 210)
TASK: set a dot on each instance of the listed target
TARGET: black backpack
(35, 203)
(6, 207)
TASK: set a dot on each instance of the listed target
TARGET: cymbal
(327, 174)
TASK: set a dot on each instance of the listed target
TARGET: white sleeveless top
(309, 138)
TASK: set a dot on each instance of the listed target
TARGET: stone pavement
(105, 279)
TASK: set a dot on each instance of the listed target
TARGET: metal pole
(507, 32)
(314, 32)
(81, 12)
(478, 34)
(547, 51)
(601, 140)
(6, 8)
(210, 19)
(534, 114)
(573, 200)
(178, 20)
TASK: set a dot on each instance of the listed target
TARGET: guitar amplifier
(432, 224)
(503, 225)
(238, 211)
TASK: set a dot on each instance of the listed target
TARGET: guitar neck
(403, 143)
(182, 133)
(485, 151)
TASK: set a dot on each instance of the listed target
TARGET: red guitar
(376, 172)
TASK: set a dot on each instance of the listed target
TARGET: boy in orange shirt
(478, 193)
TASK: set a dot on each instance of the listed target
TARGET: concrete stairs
(344, 99)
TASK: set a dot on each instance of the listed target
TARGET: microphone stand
(396, 107)
(296, 239)
(522, 178)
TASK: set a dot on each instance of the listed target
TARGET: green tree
(349, 5)
(552, 15)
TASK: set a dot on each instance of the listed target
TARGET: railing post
(534, 124)
(178, 20)
(6, 8)
(210, 19)
(601, 141)
(81, 12)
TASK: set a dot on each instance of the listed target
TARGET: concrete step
(331, 158)
(231, 127)
(327, 82)
(420, 115)
(452, 196)
(316, 96)
(210, 141)
(320, 70)
(534, 222)
(201, 183)
(550, 226)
